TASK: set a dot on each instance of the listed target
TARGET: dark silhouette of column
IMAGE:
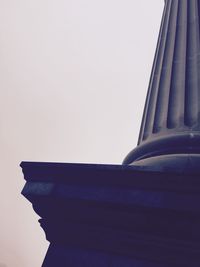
(171, 119)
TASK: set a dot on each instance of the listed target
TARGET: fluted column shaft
(173, 101)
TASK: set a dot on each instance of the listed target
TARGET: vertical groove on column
(171, 120)
(160, 118)
(192, 84)
(175, 115)
(148, 117)
(173, 100)
(154, 79)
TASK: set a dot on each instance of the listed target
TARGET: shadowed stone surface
(72, 257)
(116, 214)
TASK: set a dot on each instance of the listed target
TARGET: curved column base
(179, 163)
(167, 151)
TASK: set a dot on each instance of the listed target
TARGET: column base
(179, 163)
(110, 216)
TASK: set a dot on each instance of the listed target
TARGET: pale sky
(74, 76)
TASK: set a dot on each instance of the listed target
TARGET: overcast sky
(74, 76)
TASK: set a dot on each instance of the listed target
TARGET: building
(145, 212)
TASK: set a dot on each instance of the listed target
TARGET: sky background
(73, 81)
